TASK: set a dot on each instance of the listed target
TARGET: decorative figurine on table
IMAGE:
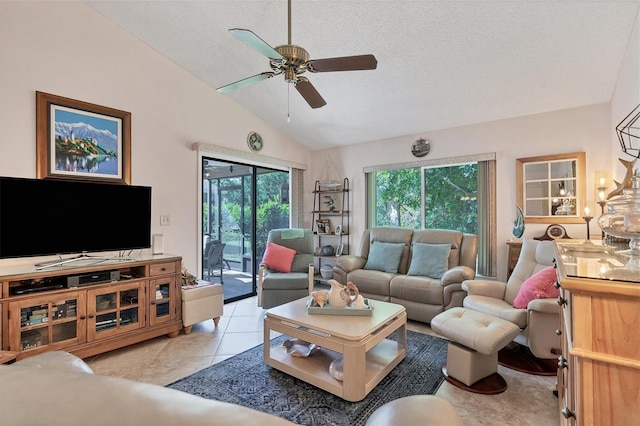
(518, 224)
(338, 295)
(341, 296)
(320, 297)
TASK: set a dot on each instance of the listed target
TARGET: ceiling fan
(292, 61)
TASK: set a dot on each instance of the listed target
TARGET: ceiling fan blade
(256, 42)
(309, 93)
(245, 82)
(346, 63)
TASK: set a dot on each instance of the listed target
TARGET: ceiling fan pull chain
(288, 101)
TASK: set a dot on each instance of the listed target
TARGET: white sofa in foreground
(58, 388)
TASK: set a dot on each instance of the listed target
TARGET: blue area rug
(246, 380)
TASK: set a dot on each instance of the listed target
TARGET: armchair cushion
(537, 286)
(429, 260)
(384, 257)
(498, 308)
(278, 258)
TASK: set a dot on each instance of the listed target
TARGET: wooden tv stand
(39, 313)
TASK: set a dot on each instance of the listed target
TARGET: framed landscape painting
(83, 141)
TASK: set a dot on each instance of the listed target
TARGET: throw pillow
(537, 286)
(429, 260)
(278, 258)
(384, 257)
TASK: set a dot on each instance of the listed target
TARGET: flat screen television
(40, 217)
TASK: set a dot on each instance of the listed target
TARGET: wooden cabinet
(41, 313)
(330, 220)
(115, 309)
(51, 321)
(162, 300)
(512, 257)
(599, 370)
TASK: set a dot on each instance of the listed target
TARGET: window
(456, 193)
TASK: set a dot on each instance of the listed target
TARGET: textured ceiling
(441, 64)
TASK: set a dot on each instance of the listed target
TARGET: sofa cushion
(429, 260)
(537, 286)
(420, 289)
(371, 283)
(278, 258)
(384, 257)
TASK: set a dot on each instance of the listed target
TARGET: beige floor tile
(234, 343)
(246, 309)
(243, 324)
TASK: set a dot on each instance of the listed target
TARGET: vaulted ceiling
(441, 64)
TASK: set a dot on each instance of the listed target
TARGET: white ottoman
(472, 357)
(200, 303)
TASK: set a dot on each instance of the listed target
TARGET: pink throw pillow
(278, 258)
(537, 286)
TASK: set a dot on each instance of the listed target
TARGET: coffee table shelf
(368, 354)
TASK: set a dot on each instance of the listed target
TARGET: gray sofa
(422, 295)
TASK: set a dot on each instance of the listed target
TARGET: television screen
(41, 217)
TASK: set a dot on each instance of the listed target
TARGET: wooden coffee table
(368, 355)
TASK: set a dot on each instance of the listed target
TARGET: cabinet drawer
(162, 268)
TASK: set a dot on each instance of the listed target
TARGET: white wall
(68, 49)
(625, 98)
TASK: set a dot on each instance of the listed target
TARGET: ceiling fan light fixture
(290, 76)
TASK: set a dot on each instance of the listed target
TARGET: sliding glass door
(240, 204)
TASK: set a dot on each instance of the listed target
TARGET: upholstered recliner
(423, 296)
(276, 288)
(540, 319)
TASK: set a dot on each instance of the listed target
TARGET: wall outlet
(165, 220)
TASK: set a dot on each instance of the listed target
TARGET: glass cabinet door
(162, 300)
(47, 322)
(115, 310)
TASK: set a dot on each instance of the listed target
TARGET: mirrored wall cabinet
(552, 188)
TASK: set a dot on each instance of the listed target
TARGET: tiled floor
(527, 401)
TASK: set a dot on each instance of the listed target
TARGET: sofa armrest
(61, 361)
(545, 306)
(457, 274)
(348, 262)
(489, 288)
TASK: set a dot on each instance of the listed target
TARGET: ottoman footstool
(200, 303)
(472, 357)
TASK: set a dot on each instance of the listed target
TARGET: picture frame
(323, 226)
(339, 249)
(338, 230)
(82, 141)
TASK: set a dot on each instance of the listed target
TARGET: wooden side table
(8, 357)
(514, 253)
